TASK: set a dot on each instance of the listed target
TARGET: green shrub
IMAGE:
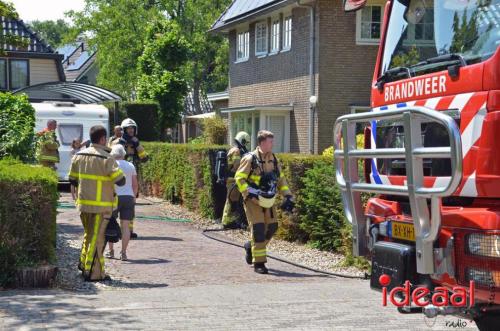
(321, 209)
(28, 201)
(145, 114)
(183, 174)
(294, 167)
(17, 123)
(214, 130)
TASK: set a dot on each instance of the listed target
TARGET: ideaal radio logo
(421, 296)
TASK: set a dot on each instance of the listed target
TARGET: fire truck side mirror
(353, 5)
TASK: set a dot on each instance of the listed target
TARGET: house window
(3, 74)
(19, 74)
(275, 35)
(243, 46)
(287, 33)
(369, 24)
(261, 38)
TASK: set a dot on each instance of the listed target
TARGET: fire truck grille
(477, 258)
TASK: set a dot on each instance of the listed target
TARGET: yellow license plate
(404, 231)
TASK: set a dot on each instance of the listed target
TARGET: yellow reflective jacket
(233, 163)
(96, 173)
(47, 147)
(248, 174)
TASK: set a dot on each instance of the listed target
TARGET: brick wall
(343, 74)
(346, 69)
(276, 79)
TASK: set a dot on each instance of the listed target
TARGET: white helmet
(242, 137)
(128, 122)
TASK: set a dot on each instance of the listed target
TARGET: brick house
(295, 66)
(26, 66)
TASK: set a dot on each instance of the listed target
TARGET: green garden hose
(68, 205)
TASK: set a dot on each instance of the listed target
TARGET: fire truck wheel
(489, 322)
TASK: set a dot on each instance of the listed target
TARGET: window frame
(411, 40)
(275, 37)
(369, 41)
(27, 73)
(265, 38)
(6, 78)
(246, 45)
(289, 33)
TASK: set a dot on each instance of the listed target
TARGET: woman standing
(126, 200)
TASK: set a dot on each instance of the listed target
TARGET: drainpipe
(312, 83)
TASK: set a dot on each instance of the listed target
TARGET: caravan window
(68, 132)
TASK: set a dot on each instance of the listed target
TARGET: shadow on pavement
(148, 261)
(59, 309)
(157, 238)
(280, 273)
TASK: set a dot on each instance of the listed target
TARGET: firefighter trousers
(263, 225)
(92, 254)
(231, 213)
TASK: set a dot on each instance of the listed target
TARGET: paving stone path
(176, 279)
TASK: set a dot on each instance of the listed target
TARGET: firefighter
(129, 140)
(115, 139)
(135, 153)
(259, 179)
(232, 211)
(94, 172)
(48, 146)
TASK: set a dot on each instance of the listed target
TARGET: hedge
(28, 202)
(183, 174)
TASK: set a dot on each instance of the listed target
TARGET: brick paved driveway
(177, 279)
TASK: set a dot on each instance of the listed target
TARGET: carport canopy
(68, 91)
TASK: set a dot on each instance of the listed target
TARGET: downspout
(312, 78)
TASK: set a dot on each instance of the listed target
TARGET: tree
(162, 68)
(208, 63)
(7, 10)
(53, 32)
(117, 28)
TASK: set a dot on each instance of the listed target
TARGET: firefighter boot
(260, 268)
(248, 252)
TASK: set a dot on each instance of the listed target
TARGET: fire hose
(280, 259)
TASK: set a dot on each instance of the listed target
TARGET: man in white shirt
(126, 199)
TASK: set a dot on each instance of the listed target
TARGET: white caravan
(73, 121)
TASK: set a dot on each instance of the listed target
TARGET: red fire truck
(431, 160)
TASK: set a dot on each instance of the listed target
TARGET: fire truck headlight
(483, 245)
(484, 278)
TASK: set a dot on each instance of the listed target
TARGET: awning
(274, 108)
(200, 116)
(68, 91)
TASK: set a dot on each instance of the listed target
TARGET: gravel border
(295, 252)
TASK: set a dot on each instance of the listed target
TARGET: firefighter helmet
(243, 138)
(128, 122)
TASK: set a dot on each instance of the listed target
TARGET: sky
(30, 10)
